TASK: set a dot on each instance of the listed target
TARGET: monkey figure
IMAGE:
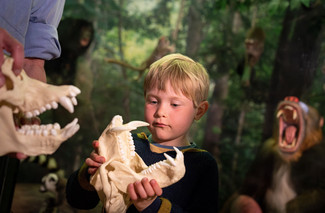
(288, 174)
(55, 185)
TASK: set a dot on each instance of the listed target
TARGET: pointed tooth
(54, 105)
(294, 115)
(67, 104)
(170, 159)
(179, 154)
(70, 130)
(280, 112)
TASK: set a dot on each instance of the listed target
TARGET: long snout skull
(31, 97)
(124, 166)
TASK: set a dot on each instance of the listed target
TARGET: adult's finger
(15, 48)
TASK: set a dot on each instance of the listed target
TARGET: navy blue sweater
(197, 191)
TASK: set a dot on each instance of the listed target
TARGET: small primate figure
(288, 175)
(254, 47)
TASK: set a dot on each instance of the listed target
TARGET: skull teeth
(50, 129)
(68, 102)
(168, 162)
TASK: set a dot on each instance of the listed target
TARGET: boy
(175, 91)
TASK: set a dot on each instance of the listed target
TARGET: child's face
(170, 116)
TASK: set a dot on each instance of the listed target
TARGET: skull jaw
(31, 145)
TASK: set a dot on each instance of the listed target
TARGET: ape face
(299, 127)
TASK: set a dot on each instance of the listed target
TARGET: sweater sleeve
(79, 196)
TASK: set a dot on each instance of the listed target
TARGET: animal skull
(23, 95)
(124, 166)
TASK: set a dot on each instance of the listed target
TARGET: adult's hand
(15, 48)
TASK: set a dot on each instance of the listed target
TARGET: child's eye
(152, 101)
(175, 105)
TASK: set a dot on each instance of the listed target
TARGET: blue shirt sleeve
(41, 40)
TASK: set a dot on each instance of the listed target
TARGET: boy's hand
(143, 193)
(95, 160)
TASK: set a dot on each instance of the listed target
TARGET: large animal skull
(124, 166)
(23, 95)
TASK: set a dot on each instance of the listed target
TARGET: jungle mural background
(256, 52)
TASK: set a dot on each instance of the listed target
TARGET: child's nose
(161, 111)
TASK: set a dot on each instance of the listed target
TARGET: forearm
(34, 68)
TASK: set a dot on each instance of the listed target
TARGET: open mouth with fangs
(291, 127)
(29, 124)
(22, 100)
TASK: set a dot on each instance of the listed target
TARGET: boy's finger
(147, 187)
(139, 189)
(131, 191)
(155, 186)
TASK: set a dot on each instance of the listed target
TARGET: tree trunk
(195, 28)
(296, 59)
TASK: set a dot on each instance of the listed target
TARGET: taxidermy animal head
(299, 128)
(124, 166)
(28, 97)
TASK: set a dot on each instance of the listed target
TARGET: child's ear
(201, 110)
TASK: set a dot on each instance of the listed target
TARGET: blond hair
(184, 75)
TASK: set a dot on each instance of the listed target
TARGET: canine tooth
(71, 128)
(67, 104)
(170, 159)
(294, 115)
(48, 106)
(29, 115)
(179, 154)
(280, 112)
(74, 101)
(54, 105)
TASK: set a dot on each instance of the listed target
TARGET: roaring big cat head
(26, 98)
(299, 127)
